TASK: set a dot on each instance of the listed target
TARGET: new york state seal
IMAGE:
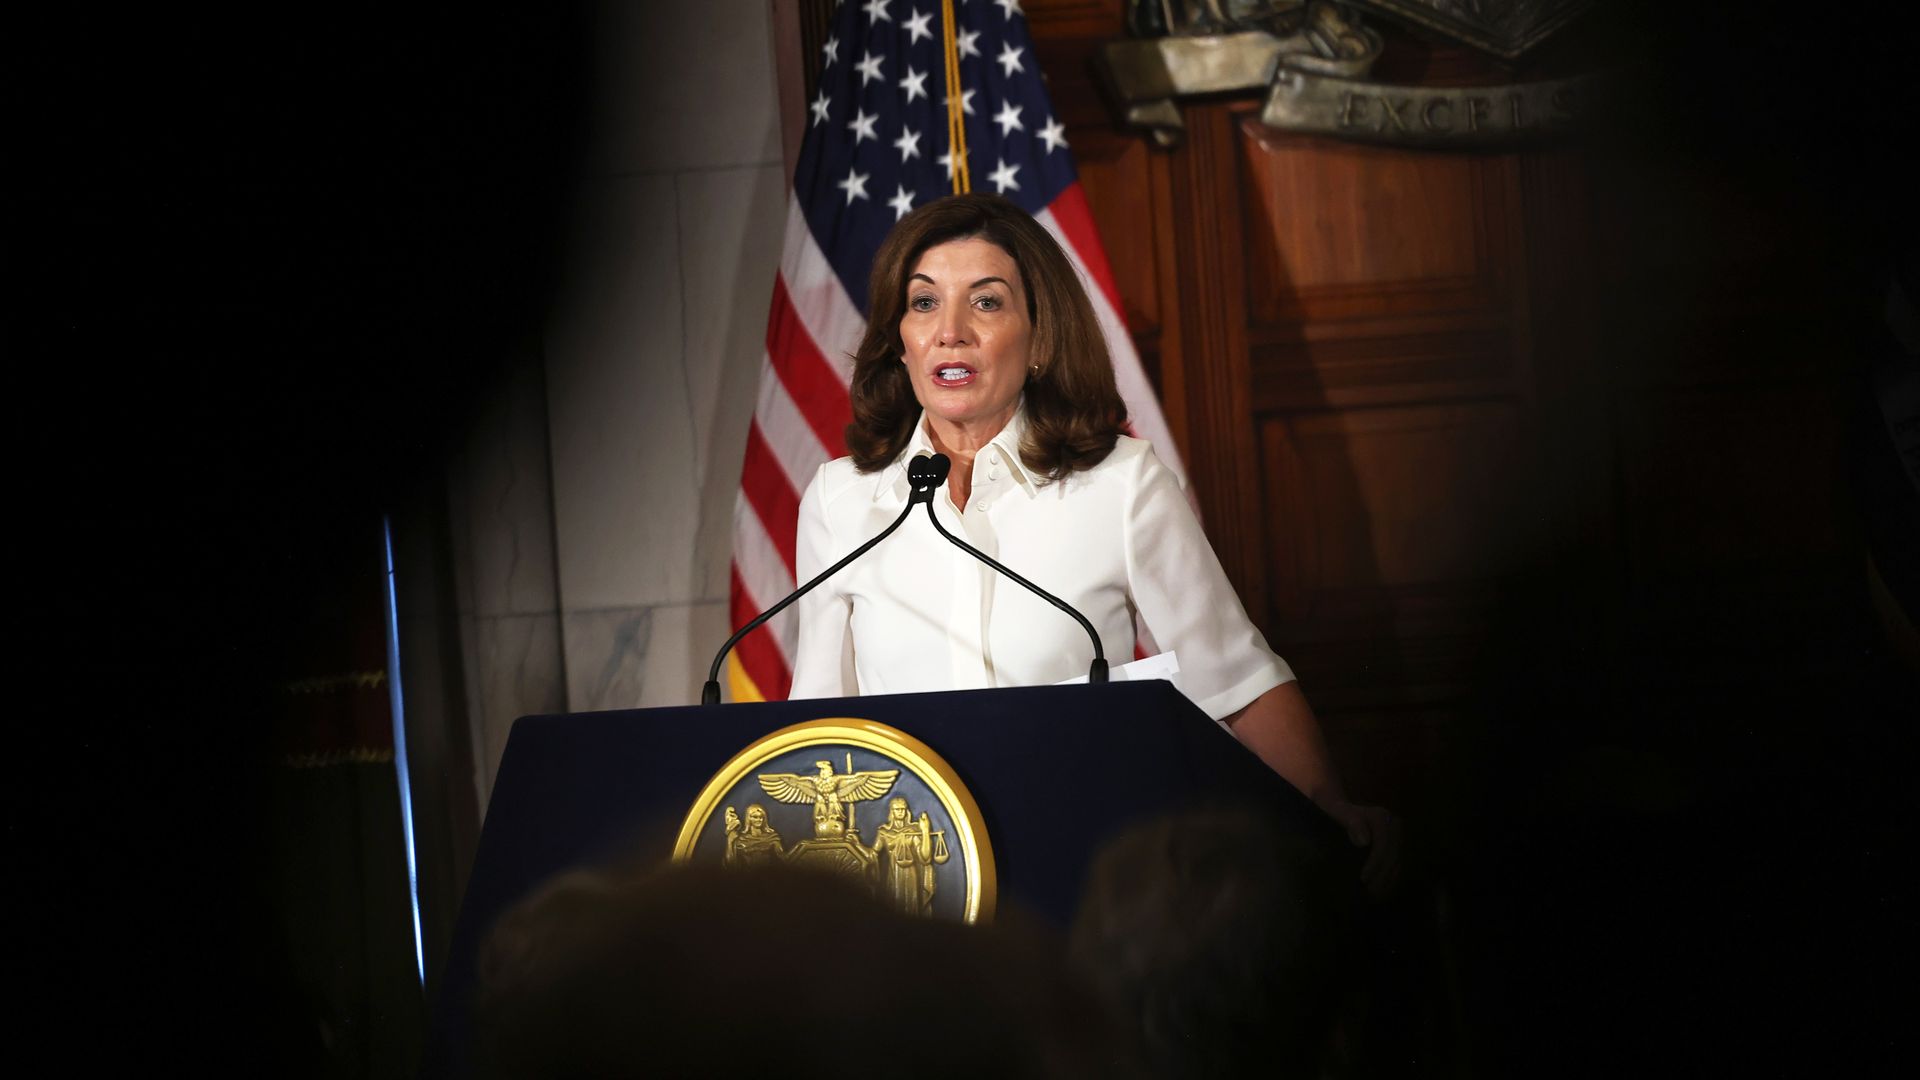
(797, 797)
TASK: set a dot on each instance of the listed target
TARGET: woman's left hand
(1374, 828)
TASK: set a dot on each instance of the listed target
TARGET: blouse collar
(893, 479)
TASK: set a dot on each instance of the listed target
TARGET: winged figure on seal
(829, 793)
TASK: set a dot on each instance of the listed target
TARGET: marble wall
(500, 510)
(593, 506)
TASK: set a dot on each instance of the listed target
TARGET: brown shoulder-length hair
(1074, 410)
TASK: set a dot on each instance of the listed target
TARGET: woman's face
(967, 336)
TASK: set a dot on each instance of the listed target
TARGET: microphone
(937, 471)
(924, 474)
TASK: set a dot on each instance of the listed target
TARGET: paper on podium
(1162, 666)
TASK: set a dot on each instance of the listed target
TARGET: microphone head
(927, 472)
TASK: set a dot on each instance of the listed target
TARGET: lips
(952, 375)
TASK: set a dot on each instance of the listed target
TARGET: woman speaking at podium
(981, 345)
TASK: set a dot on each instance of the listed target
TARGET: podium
(1056, 771)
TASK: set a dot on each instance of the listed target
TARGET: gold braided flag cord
(956, 115)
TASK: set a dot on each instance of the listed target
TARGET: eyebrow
(975, 285)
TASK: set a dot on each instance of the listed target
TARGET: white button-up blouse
(1117, 541)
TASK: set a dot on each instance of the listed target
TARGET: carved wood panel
(1396, 501)
(1412, 386)
(1118, 175)
(1342, 339)
(1353, 231)
(1391, 385)
(1380, 276)
(1212, 365)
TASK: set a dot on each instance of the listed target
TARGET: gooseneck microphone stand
(924, 475)
(1097, 671)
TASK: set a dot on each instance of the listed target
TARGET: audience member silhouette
(1213, 936)
(761, 972)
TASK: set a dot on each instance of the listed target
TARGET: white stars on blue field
(877, 126)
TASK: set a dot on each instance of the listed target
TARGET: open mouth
(952, 375)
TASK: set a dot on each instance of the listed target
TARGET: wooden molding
(1215, 376)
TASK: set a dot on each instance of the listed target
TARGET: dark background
(267, 253)
(270, 252)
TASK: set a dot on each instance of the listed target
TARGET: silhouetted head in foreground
(1212, 936)
(720, 972)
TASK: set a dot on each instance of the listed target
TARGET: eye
(921, 303)
(988, 303)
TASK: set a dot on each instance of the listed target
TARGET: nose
(953, 329)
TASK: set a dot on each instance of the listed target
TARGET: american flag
(876, 147)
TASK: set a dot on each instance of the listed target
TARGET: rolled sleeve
(1182, 594)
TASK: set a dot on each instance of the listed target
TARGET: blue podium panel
(1056, 771)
